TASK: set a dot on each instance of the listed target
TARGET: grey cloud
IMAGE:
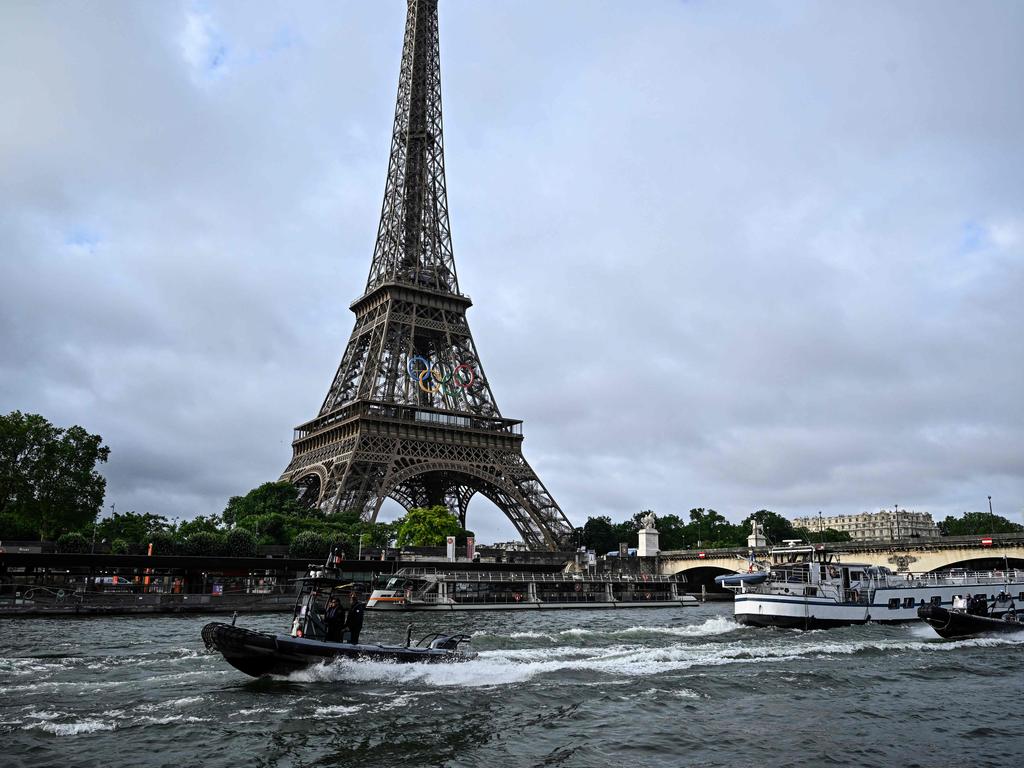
(768, 256)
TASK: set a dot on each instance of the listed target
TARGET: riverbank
(112, 604)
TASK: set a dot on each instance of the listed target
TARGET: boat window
(1020, 596)
(392, 584)
(936, 600)
(811, 591)
(894, 603)
(856, 575)
(908, 602)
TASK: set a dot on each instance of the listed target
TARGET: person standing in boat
(334, 618)
(355, 617)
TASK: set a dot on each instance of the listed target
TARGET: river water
(646, 687)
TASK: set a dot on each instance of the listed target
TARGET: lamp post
(821, 530)
(896, 512)
(95, 520)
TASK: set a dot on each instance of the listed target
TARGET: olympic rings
(440, 377)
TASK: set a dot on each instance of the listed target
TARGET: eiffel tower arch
(410, 414)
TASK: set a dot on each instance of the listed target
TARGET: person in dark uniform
(355, 617)
(334, 618)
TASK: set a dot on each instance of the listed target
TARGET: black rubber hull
(259, 654)
(954, 625)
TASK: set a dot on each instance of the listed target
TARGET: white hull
(811, 612)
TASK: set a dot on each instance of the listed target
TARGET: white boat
(809, 587)
(426, 589)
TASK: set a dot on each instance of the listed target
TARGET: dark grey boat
(958, 624)
(307, 644)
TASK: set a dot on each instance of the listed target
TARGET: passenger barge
(808, 587)
(428, 589)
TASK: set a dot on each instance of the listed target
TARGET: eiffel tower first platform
(410, 414)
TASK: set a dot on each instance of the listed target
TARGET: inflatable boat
(316, 635)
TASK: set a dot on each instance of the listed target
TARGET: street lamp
(95, 520)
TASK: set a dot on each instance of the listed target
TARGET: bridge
(974, 553)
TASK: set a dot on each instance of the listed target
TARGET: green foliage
(164, 543)
(427, 527)
(130, 526)
(310, 545)
(706, 528)
(280, 498)
(74, 543)
(206, 543)
(199, 524)
(977, 524)
(242, 543)
(119, 547)
(713, 531)
(599, 535)
(16, 527)
(776, 528)
(673, 532)
(48, 477)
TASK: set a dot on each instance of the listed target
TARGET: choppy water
(663, 687)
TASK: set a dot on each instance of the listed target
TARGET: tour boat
(429, 589)
(261, 653)
(809, 587)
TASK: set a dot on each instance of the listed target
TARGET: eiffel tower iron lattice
(410, 414)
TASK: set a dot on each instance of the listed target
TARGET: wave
(336, 710)
(73, 729)
(511, 667)
(716, 625)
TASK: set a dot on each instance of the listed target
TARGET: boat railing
(521, 577)
(513, 598)
(965, 578)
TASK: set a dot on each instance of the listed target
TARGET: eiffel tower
(410, 414)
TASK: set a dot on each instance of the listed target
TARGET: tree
(130, 526)
(72, 542)
(198, 524)
(309, 545)
(206, 543)
(164, 543)
(427, 527)
(712, 530)
(776, 528)
(280, 498)
(242, 543)
(977, 524)
(672, 532)
(119, 547)
(599, 534)
(48, 477)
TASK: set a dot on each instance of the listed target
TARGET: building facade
(884, 525)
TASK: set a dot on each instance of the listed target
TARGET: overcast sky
(731, 255)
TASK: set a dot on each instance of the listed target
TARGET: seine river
(665, 687)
